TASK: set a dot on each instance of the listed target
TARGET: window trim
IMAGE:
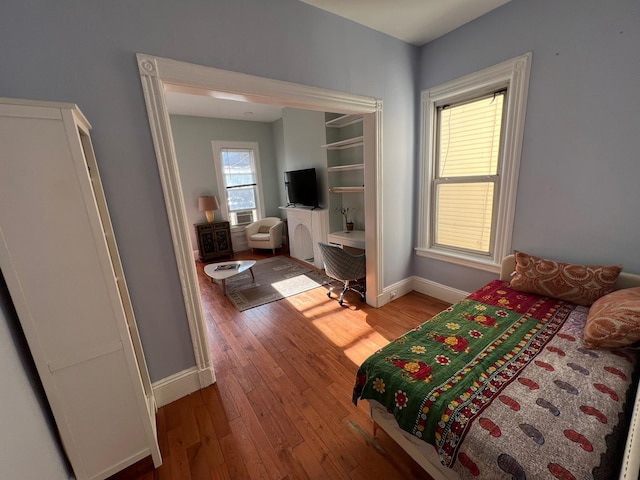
(218, 146)
(514, 75)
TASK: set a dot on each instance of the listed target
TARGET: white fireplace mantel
(306, 228)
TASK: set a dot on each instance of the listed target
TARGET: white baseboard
(394, 291)
(181, 384)
(438, 290)
(421, 285)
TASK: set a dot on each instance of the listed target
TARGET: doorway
(157, 73)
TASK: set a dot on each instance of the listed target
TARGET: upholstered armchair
(265, 233)
(348, 269)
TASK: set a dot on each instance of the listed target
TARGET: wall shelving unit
(345, 166)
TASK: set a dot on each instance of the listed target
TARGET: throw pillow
(580, 284)
(264, 229)
(614, 320)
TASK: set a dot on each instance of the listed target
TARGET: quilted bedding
(502, 387)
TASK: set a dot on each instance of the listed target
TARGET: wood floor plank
(281, 432)
(209, 445)
(218, 411)
(281, 406)
(179, 465)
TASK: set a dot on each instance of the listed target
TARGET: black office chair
(344, 267)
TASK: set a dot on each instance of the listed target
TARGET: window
(471, 142)
(238, 172)
(466, 173)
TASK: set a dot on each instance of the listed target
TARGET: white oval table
(223, 270)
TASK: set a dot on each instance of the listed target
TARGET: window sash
(465, 185)
(231, 195)
(473, 229)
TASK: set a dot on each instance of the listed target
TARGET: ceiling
(412, 21)
(202, 104)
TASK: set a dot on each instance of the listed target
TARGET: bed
(511, 391)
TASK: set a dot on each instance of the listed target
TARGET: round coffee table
(223, 270)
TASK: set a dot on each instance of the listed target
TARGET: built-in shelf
(348, 143)
(345, 168)
(346, 189)
(343, 121)
(345, 164)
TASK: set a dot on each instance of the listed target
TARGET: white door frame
(156, 72)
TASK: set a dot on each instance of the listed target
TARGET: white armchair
(265, 233)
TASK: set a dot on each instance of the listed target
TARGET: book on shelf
(228, 266)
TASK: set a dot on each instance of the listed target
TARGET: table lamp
(208, 204)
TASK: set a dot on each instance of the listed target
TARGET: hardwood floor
(281, 407)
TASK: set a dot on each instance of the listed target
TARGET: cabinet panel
(102, 424)
(57, 220)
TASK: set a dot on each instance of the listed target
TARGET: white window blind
(466, 176)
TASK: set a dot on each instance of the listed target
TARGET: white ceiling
(413, 21)
(204, 105)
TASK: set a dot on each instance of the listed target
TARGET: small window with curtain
(471, 141)
(237, 166)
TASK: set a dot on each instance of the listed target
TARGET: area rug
(275, 278)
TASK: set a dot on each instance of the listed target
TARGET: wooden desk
(354, 238)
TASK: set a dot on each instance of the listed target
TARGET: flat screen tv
(301, 187)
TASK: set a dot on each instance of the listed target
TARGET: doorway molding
(156, 73)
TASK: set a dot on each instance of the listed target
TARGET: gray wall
(84, 52)
(192, 137)
(278, 148)
(304, 134)
(578, 196)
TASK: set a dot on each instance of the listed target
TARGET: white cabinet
(61, 264)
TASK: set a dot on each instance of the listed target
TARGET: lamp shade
(207, 203)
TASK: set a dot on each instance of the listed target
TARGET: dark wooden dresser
(214, 240)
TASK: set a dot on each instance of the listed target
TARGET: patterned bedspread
(501, 385)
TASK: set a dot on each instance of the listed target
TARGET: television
(301, 187)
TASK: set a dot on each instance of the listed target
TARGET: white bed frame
(428, 459)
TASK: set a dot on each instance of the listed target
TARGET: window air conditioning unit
(243, 218)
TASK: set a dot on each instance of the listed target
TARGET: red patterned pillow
(580, 284)
(614, 320)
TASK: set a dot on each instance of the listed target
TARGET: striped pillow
(580, 284)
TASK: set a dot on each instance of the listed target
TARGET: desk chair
(345, 268)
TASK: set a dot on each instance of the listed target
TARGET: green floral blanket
(495, 355)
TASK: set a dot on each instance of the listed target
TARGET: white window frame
(218, 146)
(514, 75)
